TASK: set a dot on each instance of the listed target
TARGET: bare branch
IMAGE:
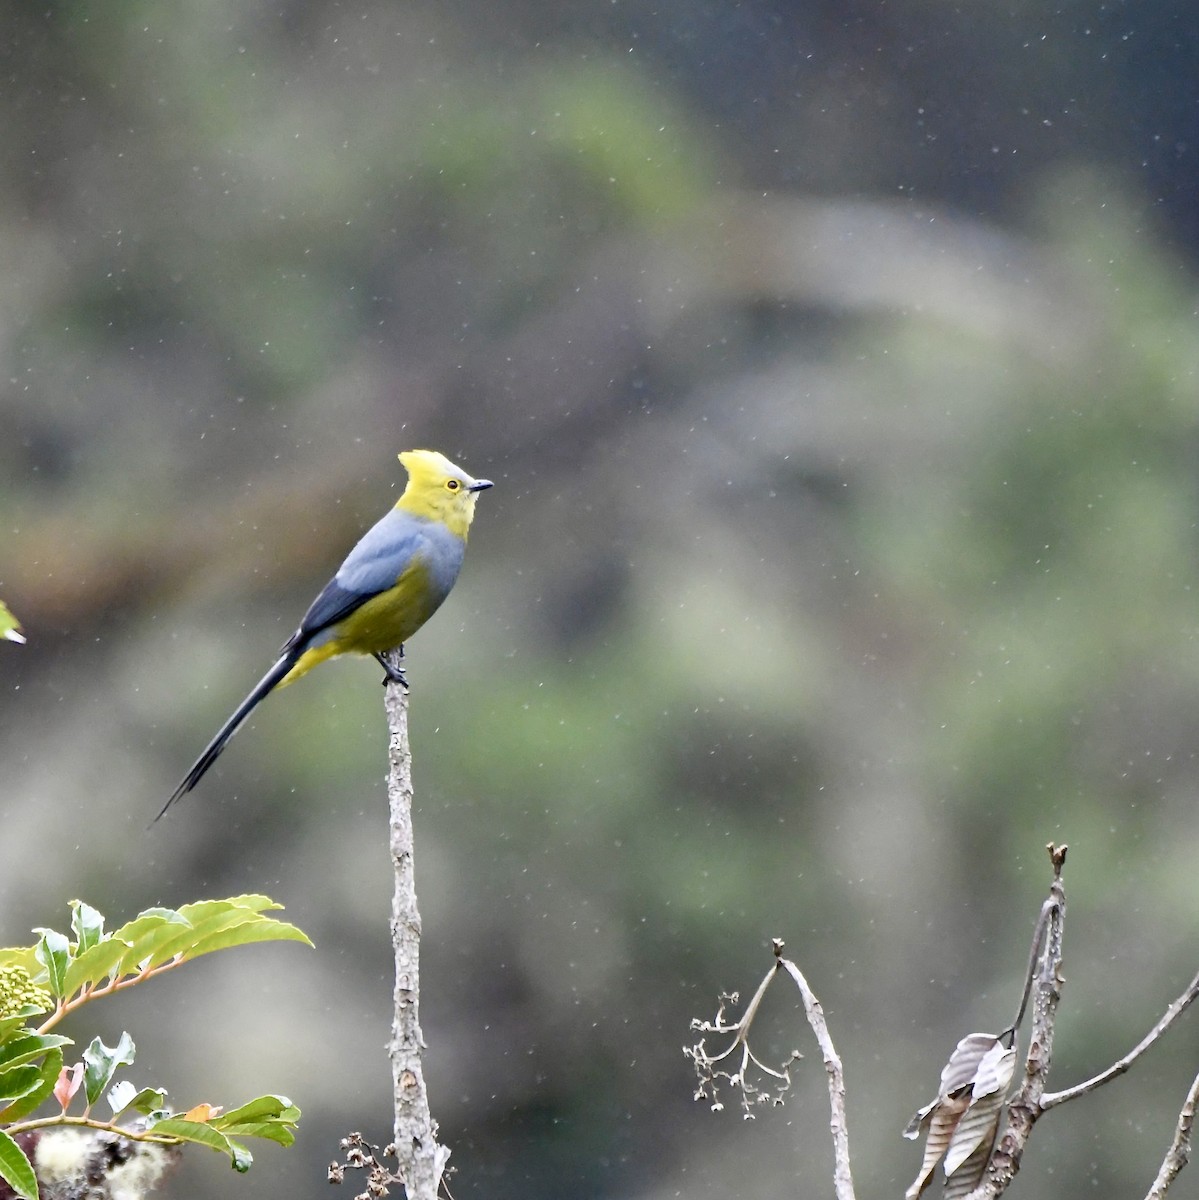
(421, 1159)
(1025, 1107)
(842, 1175)
(709, 1072)
(1180, 1147)
(1176, 1009)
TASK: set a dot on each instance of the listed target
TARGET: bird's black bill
(480, 485)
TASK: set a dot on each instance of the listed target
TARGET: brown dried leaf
(965, 1114)
(962, 1068)
(943, 1121)
(969, 1175)
(920, 1120)
(995, 1071)
(981, 1121)
(977, 1126)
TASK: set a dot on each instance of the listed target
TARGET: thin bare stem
(1034, 954)
(842, 1175)
(1176, 1009)
(1025, 1107)
(421, 1159)
(61, 1120)
(69, 1005)
(1179, 1153)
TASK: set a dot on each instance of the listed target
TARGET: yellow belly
(384, 622)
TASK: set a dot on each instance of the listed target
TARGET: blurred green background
(836, 366)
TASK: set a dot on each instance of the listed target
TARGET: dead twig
(709, 1071)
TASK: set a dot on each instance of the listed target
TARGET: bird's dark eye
(453, 484)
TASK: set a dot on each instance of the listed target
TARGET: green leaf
(18, 1082)
(219, 925)
(87, 924)
(253, 902)
(100, 1063)
(156, 912)
(124, 1097)
(29, 1046)
(203, 1134)
(263, 1107)
(216, 921)
(151, 918)
(95, 965)
(14, 1026)
(260, 929)
(21, 956)
(32, 1100)
(158, 936)
(9, 626)
(16, 1170)
(271, 1117)
(54, 954)
(142, 935)
(270, 1131)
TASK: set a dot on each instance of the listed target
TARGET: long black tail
(212, 751)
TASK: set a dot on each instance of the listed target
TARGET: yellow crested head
(440, 491)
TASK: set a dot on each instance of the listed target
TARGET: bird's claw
(392, 674)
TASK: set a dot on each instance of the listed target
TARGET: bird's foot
(392, 674)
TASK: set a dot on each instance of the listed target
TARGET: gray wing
(371, 567)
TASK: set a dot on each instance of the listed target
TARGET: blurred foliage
(10, 627)
(837, 369)
(42, 984)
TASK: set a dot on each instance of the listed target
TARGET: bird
(389, 585)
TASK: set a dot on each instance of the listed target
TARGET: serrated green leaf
(206, 919)
(156, 912)
(95, 965)
(18, 1082)
(146, 933)
(152, 918)
(221, 927)
(100, 1063)
(203, 1134)
(260, 1108)
(54, 954)
(26, 1048)
(87, 924)
(16, 1170)
(14, 1026)
(51, 1067)
(260, 929)
(21, 956)
(270, 1117)
(251, 902)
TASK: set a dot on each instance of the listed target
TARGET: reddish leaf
(69, 1079)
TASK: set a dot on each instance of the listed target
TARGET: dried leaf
(943, 1122)
(964, 1117)
(962, 1068)
(969, 1175)
(919, 1122)
(978, 1126)
(995, 1070)
(202, 1113)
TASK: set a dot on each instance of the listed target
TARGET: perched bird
(390, 584)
